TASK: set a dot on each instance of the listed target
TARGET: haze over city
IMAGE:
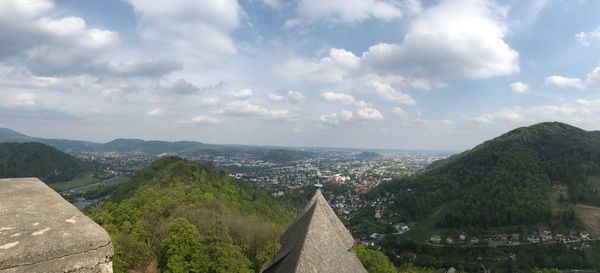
(366, 73)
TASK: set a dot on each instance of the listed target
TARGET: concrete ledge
(41, 232)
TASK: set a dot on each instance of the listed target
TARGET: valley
(504, 204)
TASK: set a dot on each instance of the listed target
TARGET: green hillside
(179, 215)
(366, 155)
(282, 155)
(38, 160)
(509, 180)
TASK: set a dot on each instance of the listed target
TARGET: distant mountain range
(117, 145)
(274, 154)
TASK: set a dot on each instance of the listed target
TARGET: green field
(74, 183)
(424, 229)
(87, 183)
(105, 183)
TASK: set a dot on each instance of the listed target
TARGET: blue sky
(355, 73)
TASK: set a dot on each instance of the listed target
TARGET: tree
(182, 249)
(410, 268)
(374, 261)
(224, 255)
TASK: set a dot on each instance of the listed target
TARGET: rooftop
(317, 241)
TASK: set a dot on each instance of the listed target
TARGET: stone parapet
(42, 232)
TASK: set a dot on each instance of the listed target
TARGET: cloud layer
(393, 73)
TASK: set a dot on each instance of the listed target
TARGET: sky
(394, 74)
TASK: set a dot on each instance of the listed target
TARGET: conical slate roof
(317, 242)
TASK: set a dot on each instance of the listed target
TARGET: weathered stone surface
(41, 232)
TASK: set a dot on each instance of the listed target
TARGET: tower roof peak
(317, 241)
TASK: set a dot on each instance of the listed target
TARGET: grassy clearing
(87, 183)
(590, 216)
(370, 225)
(424, 229)
(105, 183)
(76, 182)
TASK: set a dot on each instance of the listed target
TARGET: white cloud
(519, 87)
(25, 8)
(34, 38)
(387, 92)
(153, 68)
(398, 111)
(337, 118)
(364, 112)
(455, 38)
(248, 108)
(343, 98)
(346, 115)
(343, 58)
(290, 96)
(242, 94)
(593, 78)
(276, 98)
(588, 38)
(560, 81)
(204, 120)
(338, 97)
(71, 27)
(411, 82)
(194, 30)
(210, 101)
(331, 119)
(332, 68)
(181, 87)
(292, 23)
(581, 112)
(21, 99)
(295, 96)
(355, 10)
(511, 115)
(276, 4)
(154, 112)
(369, 114)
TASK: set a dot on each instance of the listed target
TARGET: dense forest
(39, 160)
(181, 216)
(508, 180)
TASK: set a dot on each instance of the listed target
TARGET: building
(317, 241)
(436, 239)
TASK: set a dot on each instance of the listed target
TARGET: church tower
(317, 242)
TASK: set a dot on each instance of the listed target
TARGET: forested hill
(509, 180)
(283, 155)
(180, 216)
(38, 160)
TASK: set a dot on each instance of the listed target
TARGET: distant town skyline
(384, 74)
